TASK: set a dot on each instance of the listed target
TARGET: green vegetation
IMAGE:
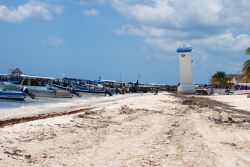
(247, 51)
(220, 78)
(246, 71)
(248, 96)
(246, 68)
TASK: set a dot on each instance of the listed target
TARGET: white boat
(15, 95)
(38, 86)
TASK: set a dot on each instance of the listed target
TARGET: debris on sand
(229, 143)
(188, 102)
(221, 117)
(89, 114)
(219, 112)
(14, 152)
(27, 156)
(40, 116)
(81, 115)
(193, 102)
(126, 110)
(102, 110)
(203, 102)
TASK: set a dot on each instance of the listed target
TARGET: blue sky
(113, 38)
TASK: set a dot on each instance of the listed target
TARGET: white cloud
(147, 31)
(214, 28)
(185, 14)
(161, 44)
(29, 10)
(144, 13)
(54, 41)
(90, 1)
(91, 12)
(224, 42)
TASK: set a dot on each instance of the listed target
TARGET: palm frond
(247, 51)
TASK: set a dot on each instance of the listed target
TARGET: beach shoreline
(130, 130)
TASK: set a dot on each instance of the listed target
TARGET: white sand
(238, 101)
(131, 130)
(31, 108)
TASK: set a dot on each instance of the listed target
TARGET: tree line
(221, 77)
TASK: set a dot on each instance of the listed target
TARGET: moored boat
(81, 86)
(37, 86)
(15, 95)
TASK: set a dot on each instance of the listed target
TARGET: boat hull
(40, 92)
(84, 90)
(15, 95)
(51, 93)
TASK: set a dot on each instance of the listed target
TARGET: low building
(4, 77)
(16, 73)
(235, 79)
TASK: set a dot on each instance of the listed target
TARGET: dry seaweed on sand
(126, 110)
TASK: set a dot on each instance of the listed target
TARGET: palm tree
(246, 68)
(246, 71)
(219, 77)
(247, 51)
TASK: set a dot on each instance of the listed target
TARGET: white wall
(186, 77)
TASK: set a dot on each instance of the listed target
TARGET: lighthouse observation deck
(184, 49)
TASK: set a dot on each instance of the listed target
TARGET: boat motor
(26, 91)
(72, 90)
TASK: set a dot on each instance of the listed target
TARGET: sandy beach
(238, 101)
(131, 130)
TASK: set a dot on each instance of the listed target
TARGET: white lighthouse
(186, 78)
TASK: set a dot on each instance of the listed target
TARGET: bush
(248, 95)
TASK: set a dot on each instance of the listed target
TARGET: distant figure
(227, 91)
(120, 91)
(106, 91)
(156, 92)
(212, 91)
(116, 90)
(124, 90)
(137, 83)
